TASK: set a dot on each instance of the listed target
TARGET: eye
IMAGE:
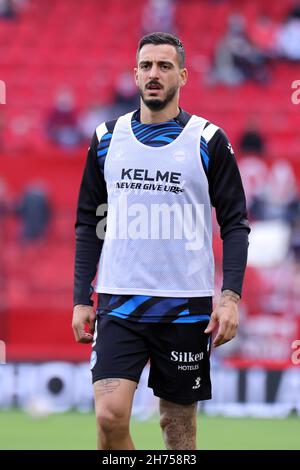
(165, 66)
(144, 66)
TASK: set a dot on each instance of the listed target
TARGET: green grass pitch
(77, 431)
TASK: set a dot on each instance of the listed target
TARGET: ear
(136, 76)
(183, 77)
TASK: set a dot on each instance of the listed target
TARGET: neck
(155, 117)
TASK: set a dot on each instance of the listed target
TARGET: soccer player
(158, 171)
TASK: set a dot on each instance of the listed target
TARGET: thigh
(119, 349)
(113, 398)
(180, 365)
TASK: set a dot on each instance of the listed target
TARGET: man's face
(158, 75)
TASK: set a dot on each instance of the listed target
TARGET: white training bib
(158, 238)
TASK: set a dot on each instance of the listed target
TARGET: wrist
(82, 306)
(228, 294)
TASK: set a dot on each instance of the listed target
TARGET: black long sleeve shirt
(226, 194)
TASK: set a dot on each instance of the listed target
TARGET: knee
(166, 421)
(178, 432)
(170, 422)
(112, 422)
(178, 423)
(171, 425)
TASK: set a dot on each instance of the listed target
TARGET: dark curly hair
(164, 38)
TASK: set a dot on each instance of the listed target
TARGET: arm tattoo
(106, 386)
(228, 295)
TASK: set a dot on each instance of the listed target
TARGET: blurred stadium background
(65, 66)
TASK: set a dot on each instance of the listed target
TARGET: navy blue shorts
(178, 354)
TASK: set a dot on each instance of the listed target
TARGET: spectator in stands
(279, 198)
(126, 95)
(263, 35)
(89, 119)
(294, 13)
(253, 168)
(34, 210)
(279, 285)
(295, 238)
(289, 36)
(62, 123)
(237, 59)
(251, 140)
(7, 9)
(158, 15)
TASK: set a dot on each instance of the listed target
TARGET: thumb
(211, 325)
(92, 321)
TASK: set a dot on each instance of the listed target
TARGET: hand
(226, 315)
(83, 315)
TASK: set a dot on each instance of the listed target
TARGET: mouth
(153, 86)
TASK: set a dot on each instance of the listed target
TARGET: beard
(158, 104)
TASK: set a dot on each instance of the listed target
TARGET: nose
(154, 72)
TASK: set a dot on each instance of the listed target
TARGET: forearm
(235, 249)
(88, 250)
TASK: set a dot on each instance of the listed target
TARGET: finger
(221, 341)
(79, 332)
(92, 322)
(231, 331)
(225, 334)
(220, 336)
(87, 338)
(75, 332)
(211, 326)
(218, 341)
